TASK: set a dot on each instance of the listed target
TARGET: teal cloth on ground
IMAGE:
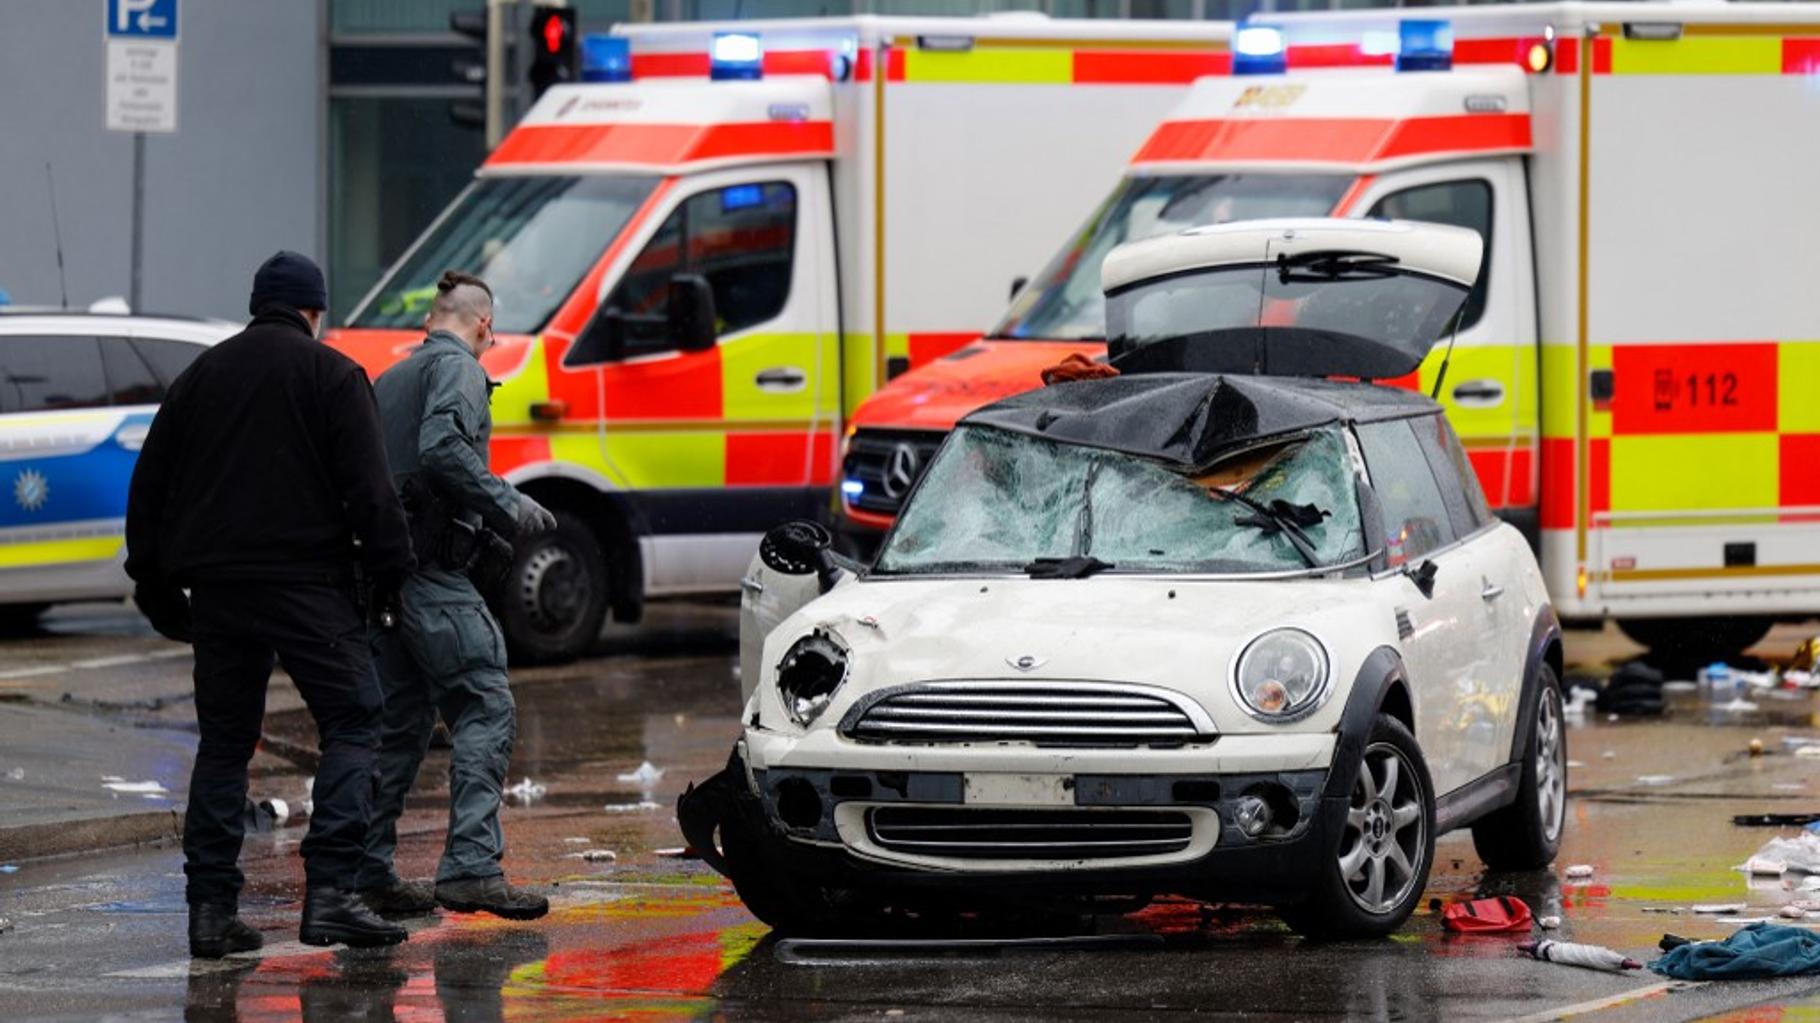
(1755, 951)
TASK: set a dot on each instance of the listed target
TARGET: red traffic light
(554, 31)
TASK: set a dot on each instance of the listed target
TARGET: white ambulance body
(857, 194)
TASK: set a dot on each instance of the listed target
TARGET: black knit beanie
(289, 278)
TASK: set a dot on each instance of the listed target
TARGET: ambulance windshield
(530, 238)
(1064, 302)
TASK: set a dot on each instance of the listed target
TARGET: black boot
(400, 899)
(216, 930)
(336, 916)
(490, 895)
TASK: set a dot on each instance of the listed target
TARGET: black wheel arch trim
(1381, 672)
(1544, 637)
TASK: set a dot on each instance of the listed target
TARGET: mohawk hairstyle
(452, 279)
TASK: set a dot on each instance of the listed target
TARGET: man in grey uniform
(447, 653)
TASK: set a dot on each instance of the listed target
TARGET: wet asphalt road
(649, 936)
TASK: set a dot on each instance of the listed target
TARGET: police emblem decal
(31, 490)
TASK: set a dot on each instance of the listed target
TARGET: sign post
(141, 89)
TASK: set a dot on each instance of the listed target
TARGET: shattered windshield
(1064, 302)
(994, 500)
(530, 238)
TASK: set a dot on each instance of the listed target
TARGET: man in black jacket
(262, 472)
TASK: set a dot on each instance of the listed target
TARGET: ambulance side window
(1458, 203)
(1416, 518)
(47, 373)
(741, 238)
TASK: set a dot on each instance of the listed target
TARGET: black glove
(168, 609)
(533, 517)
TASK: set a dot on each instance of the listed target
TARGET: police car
(77, 395)
(1221, 626)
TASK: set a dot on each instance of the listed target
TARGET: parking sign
(142, 19)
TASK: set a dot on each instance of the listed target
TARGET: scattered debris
(9, 868)
(638, 807)
(1808, 752)
(1488, 916)
(1549, 923)
(1775, 820)
(115, 783)
(575, 840)
(1762, 866)
(1575, 764)
(1788, 786)
(1655, 779)
(1756, 951)
(676, 852)
(1720, 908)
(646, 777)
(1792, 912)
(1635, 690)
(1737, 705)
(1670, 942)
(1567, 953)
(527, 791)
(1608, 755)
(1754, 747)
(1809, 884)
(307, 805)
(1578, 871)
(1680, 686)
(1800, 854)
(594, 855)
(16, 774)
(5, 925)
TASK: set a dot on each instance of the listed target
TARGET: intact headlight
(808, 676)
(1282, 675)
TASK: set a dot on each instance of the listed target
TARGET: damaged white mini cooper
(1219, 626)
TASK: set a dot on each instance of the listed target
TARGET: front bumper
(820, 824)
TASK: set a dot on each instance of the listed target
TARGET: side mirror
(691, 313)
(1017, 285)
(803, 547)
(602, 340)
(1423, 576)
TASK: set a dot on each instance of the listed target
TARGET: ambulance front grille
(1039, 713)
(886, 464)
(1002, 834)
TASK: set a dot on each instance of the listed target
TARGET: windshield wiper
(1316, 267)
(1279, 516)
(1078, 567)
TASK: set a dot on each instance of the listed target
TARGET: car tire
(20, 619)
(779, 898)
(1386, 821)
(1526, 834)
(553, 601)
(1696, 637)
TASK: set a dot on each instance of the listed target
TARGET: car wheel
(20, 619)
(1526, 834)
(1380, 849)
(780, 899)
(1696, 637)
(553, 600)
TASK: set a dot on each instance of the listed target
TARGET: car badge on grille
(1027, 662)
(900, 470)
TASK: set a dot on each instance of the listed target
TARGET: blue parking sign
(141, 19)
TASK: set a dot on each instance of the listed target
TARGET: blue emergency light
(606, 58)
(1259, 50)
(1425, 45)
(736, 56)
(852, 488)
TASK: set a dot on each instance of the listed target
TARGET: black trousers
(315, 631)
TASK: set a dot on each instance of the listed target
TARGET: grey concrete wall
(240, 179)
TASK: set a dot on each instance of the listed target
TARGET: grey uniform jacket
(434, 413)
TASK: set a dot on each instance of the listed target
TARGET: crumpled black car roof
(1187, 420)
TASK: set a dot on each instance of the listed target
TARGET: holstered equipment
(443, 537)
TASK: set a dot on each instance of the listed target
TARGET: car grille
(1041, 713)
(992, 834)
(888, 463)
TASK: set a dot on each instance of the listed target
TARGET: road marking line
(91, 664)
(46, 669)
(1581, 1008)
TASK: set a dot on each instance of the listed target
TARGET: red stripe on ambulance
(661, 144)
(1332, 140)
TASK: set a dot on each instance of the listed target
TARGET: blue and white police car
(77, 394)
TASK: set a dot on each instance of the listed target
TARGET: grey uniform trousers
(447, 654)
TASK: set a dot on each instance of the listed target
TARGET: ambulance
(1637, 375)
(705, 256)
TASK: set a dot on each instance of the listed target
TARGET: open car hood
(1307, 297)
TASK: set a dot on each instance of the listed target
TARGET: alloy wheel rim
(1551, 766)
(1385, 838)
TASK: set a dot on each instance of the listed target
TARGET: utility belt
(442, 537)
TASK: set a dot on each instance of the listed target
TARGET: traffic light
(554, 55)
(471, 68)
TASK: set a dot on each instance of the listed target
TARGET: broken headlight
(812, 669)
(1282, 676)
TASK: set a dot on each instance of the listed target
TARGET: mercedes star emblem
(900, 471)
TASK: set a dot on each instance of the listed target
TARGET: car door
(724, 441)
(1489, 391)
(1438, 634)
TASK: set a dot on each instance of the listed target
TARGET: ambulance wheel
(1381, 846)
(554, 600)
(20, 619)
(1526, 834)
(1696, 637)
